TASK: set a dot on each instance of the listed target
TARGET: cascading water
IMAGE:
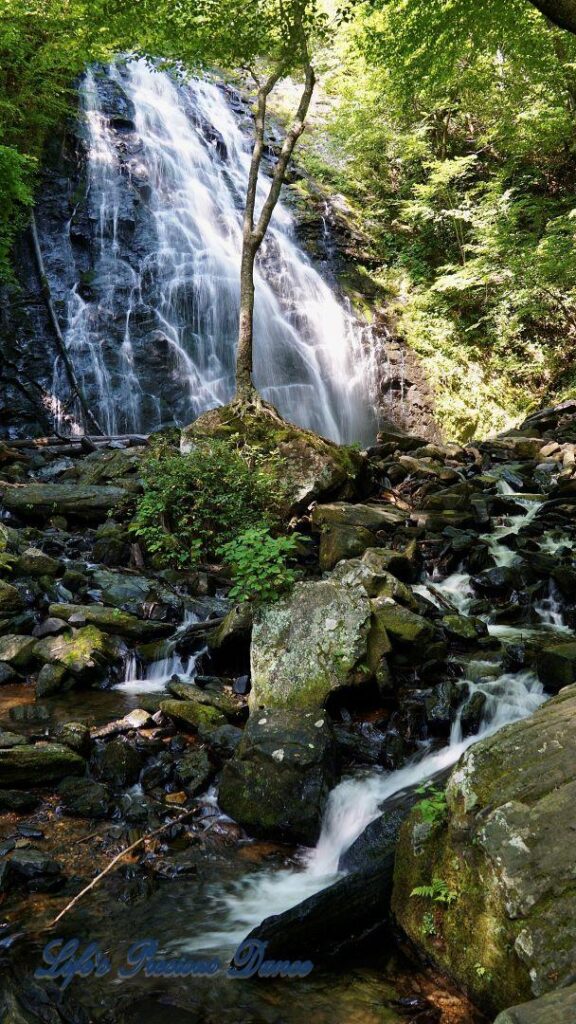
(151, 325)
(355, 802)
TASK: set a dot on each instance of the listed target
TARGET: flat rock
(75, 501)
(39, 765)
(111, 620)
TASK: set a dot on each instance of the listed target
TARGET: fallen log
(57, 443)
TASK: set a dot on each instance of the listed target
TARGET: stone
(557, 1007)
(464, 629)
(15, 800)
(50, 627)
(39, 871)
(33, 562)
(11, 739)
(8, 674)
(17, 650)
(309, 644)
(191, 713)
(83, 798)
(224, 740)
(556, 666)
(85, 653)
(497, 582)
(75, 735)
(10, 600)
(403, 625)
(29, 713)
(112, 620)
(50, 680)
(120, 763)
(506, 849)
(139, 595)
(211, 697)
(277, 783)
(38, 501)
(235, 628)
(369, 517)
(39, 765)
(307, 466)
(193, 770)
(341, 542)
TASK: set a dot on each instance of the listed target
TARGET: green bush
(259, 564)
(194, 503)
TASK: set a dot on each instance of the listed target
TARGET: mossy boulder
(505, 850)
(84, 798)
(277, 783)
(305, 466)
(189, 712)
(138, 595)
(557, 1007)
(464, 629)
(111, 620)
(33, 562)
(309, 644)
(85, 653)
(343, 542)
(557, 666)
(208, 696)
(10, 600)
(39, 765)
(17, 650)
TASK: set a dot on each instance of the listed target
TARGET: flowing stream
(358, 800)
(151, 325)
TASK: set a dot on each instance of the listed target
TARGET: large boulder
(85, 653)
(500, 863)
(39, 765)
(557, 1007)
(307, 466)
(17, 650)
(557, 666)
(278, 781)
(10, 600)
(139, 595)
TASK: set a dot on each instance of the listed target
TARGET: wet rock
(85, 653)
(50, 627)
(112, 544)
(120, 763)
(464, 629)
(39, 765)
(38, 501)
(51, 679)
(498, 582)
(439, 707)
(37, 870)
(241, 686)
(8, 674)
(211, 697)
(235, 629)
(10, 599)
(372, 518)
(191, 713)
(224, 741)
(557, 1007)
(15, 800)
(33, 562)
(556, 666)
(29, 713)
(75, 735)
(473, 713)
(83, 798)
(505, 848)
(193, 770)
(401, 624)
(278, 781)
(138, 595)
(111, 620)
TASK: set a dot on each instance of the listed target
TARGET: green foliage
(428, 925)
(259, 564)
(438, 891)
(433, 808)
(193, 503)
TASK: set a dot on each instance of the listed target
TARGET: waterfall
(151, 320)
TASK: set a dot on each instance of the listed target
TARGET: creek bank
(375, 648)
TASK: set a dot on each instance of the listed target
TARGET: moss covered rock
(10, 599)
(39, 765)
(37, 501)
(111, 620)
(505, 853)
(85, 653)
(17, 650)
(189, 712)
(306, 466)
(555, 1008)
(278, 781)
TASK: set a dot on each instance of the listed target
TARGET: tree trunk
(561, 12)
(253, 234)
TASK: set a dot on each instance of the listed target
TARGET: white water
(189, 162)
(357, 801)
(158, 673)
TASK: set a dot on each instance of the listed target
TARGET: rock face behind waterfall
(506, 852)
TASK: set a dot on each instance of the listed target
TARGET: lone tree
(268, 40)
